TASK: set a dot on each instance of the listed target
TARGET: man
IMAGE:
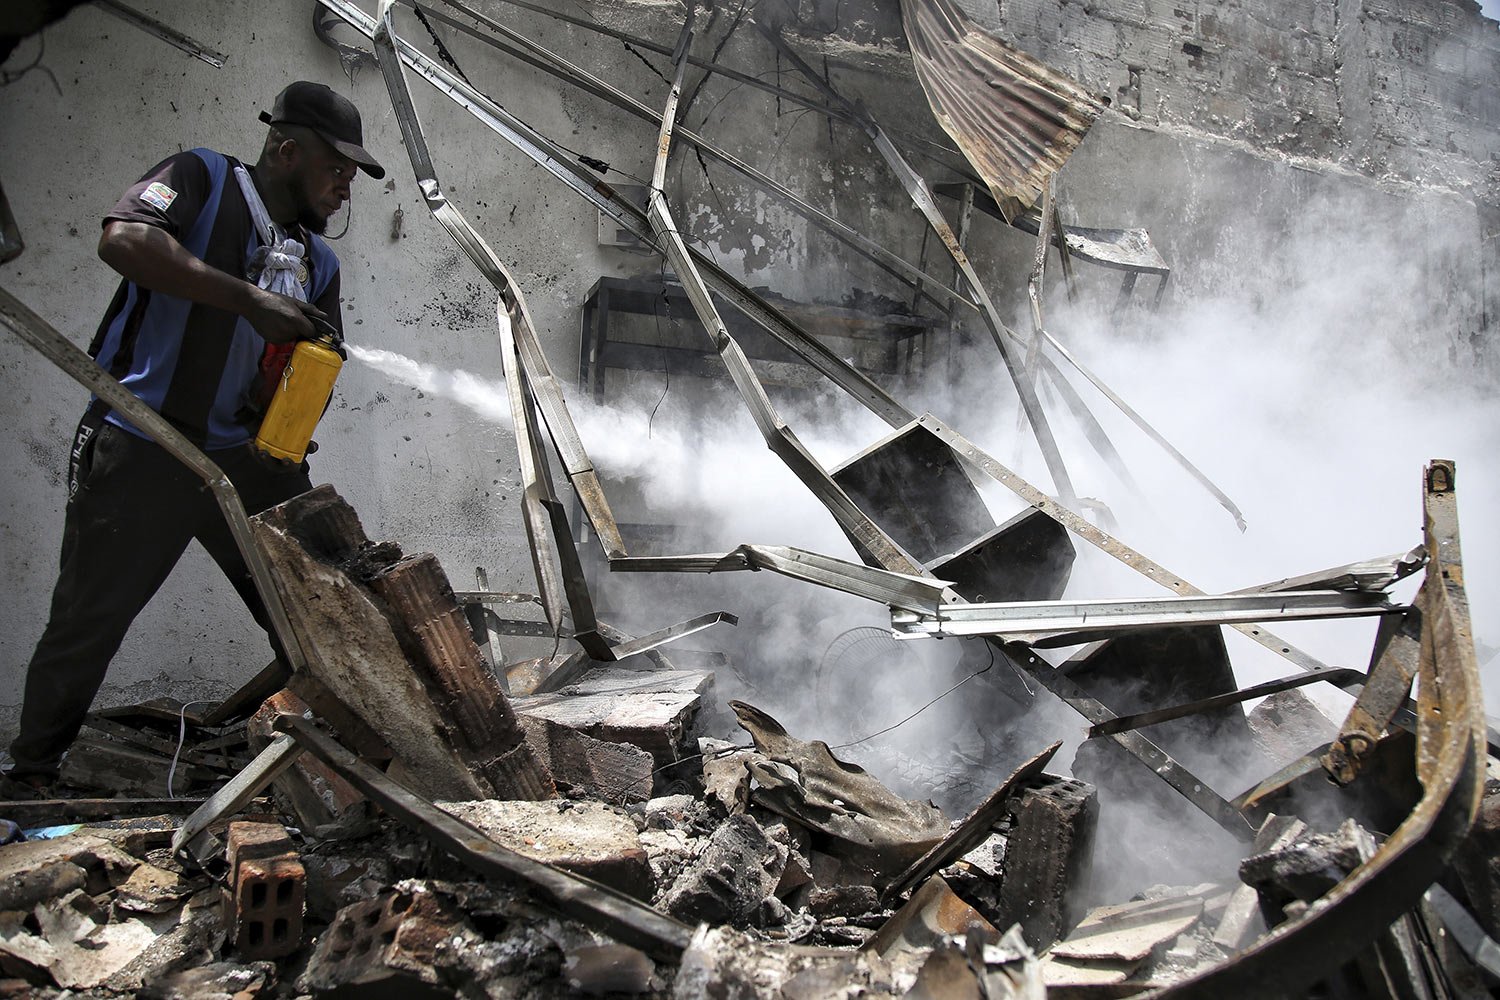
(195, 333)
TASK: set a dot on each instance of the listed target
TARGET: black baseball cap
(333, 116)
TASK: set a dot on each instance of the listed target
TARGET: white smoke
(485, 397)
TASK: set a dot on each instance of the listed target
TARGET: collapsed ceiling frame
(666, 235)
(873, 544)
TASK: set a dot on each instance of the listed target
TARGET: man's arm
(152, 258)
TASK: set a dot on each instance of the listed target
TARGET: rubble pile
(804, 876)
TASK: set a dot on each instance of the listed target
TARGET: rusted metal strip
(78, 366)
(1398, 649)
(916, 593)
(165, 32)
(1450, 764)
(922, 197)
(625, 919)
(1100, 539)
(1343, 677)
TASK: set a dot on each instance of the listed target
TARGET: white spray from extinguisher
(485, 396)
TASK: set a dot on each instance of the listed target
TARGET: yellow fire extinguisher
(300, 399)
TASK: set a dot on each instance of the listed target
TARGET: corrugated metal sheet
(1015, 119)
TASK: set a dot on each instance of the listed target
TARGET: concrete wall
(1209, 170)
(1402, 88)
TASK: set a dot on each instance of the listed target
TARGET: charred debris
(395, 811)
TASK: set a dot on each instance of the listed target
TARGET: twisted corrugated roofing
(1015, 119)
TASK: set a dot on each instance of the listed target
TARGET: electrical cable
(958, 684)
(181, 739)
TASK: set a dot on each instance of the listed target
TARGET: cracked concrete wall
(1408, 89)
(1217, 134)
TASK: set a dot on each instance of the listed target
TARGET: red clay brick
(269, 899)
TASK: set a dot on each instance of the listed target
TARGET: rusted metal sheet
(1450, 762)
(1016, 119)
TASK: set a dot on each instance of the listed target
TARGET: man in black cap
(223, 272)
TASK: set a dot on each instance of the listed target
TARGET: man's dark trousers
(132, 512)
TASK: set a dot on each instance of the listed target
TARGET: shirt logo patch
(159, 195)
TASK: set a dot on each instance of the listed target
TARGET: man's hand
(281, 319)
(151, 258)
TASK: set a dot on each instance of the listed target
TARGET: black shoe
(26, 787)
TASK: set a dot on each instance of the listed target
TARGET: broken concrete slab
(150, 889)
(105, 864)
(647, 709)
(421, 938)
(586, 838)
(725, 964)
(406, 940)
(335, 880)
(732, 878)
(1129, 932)
(1062, 973)
(1241, 921)
(1303, 870)
(77, 946)
(24, 889)
(584, 766)
(215, 981)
